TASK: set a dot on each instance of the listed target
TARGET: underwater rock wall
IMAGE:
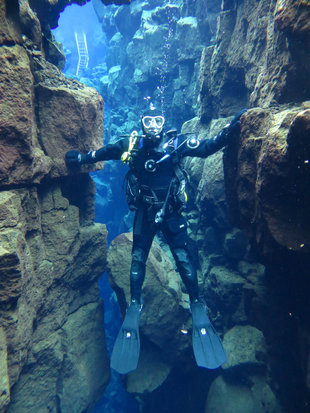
(261, 58)
(265, 286)
(52, 342)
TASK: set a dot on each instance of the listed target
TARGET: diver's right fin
(126, 350)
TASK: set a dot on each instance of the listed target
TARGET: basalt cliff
(52, 341)
(248, 210)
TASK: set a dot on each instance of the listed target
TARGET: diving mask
(153, 123)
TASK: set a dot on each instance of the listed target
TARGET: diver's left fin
(208, 348)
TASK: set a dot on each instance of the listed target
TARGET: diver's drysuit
(156, 190)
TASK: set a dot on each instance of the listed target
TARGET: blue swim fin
(208, 348)
(126, 350)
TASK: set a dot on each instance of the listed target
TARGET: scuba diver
(156, 191)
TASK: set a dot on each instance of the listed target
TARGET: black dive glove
(230, 130)
(74, 158)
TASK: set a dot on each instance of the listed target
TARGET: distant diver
(156, 191)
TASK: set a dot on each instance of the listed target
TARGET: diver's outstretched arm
(109, 152)
(207, 147)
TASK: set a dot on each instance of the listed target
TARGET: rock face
(268, 190)
(269, 68)
(259, 62)
(52, 342)
(35, 131)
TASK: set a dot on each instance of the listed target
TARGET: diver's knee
(181, 256)
(139, 255)
(137, 270)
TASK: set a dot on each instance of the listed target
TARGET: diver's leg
(187, 271)
(175, 232)
(143, 235)
(207, 346)
(126, 350)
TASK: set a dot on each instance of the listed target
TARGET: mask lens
(159, 121)
(147, 121)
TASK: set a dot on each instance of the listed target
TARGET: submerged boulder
(233, 397)
(223, 289)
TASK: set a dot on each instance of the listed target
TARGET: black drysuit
(153, 187)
